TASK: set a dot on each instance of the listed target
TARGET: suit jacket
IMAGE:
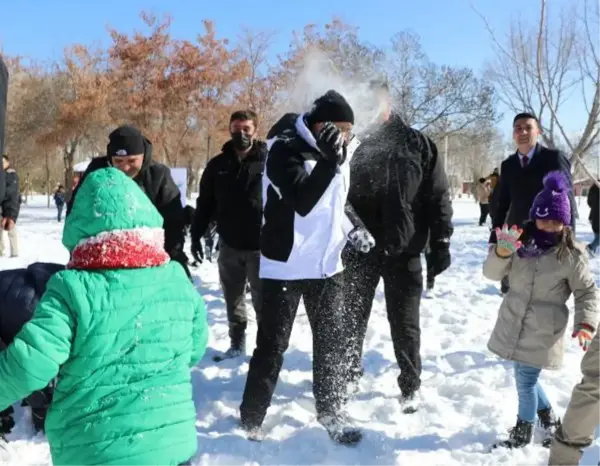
(518, 186)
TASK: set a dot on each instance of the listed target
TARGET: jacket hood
(107, 201)
(287, 121)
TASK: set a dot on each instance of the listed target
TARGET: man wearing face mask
(305, 227)
(230, 195)
(399, 188)
(131, 152)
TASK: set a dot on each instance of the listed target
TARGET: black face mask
(241, 141)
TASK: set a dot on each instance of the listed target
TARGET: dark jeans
(485, 210)
(323, 301)
(403, 282)
(235, 267)
(59, 209)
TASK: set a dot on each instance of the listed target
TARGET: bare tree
(541, 67)
(433, 97)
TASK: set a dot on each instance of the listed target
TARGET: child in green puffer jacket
(120, 328)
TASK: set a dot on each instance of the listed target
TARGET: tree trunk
(191, 176)
(48, 177)
(68, 156)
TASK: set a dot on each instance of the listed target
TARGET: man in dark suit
(522, 173)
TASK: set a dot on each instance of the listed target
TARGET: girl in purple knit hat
(544, 267)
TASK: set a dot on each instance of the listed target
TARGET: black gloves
(197, 251)
(330, 142)
(439, 256)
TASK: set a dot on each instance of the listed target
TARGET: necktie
(524, 161)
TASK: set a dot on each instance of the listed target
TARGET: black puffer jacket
(399, 188)
(20, 291)
(231, 194)
(156, 181)
(11, 205)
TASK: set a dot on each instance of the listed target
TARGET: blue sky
(451, 31)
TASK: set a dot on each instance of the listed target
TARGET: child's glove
(584, 333)
(361, 240)
(508, 240)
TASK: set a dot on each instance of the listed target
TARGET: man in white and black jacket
(305, 227)
(400, 190)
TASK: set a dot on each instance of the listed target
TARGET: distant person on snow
(129, 151)
(11, 205)
(59, 201)
(494, 193)
(544, 267)
(20, 292)
(120, 329)
(399, 188)
(230, 194)
(305, 228)
(3, 104)
(484, 191)
(521, 177)
(593, 201)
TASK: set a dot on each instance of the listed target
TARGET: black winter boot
(550, 423)
(519, 436)
(238, 346)
(340, 428)
(6, 420)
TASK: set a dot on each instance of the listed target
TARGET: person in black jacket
(304, 230)
(11, 205)
(521, 176)
(231, 195)
(129, 151)
(59, 201)
(399, 189)
(3, 103)
(20, 291)
(593, 201)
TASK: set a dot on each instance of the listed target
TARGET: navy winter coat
(20, 291)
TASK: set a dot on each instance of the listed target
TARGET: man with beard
(399, 189)
(3, 103)
(305, 227)
(129, 151)
(231, 195)
(521, 177)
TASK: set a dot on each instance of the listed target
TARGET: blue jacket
(20, 291)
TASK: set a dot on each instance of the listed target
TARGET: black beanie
(330, 107)
(125, 140)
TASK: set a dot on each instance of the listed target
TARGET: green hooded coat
(120, 329)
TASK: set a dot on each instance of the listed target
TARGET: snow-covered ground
(468, 395)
